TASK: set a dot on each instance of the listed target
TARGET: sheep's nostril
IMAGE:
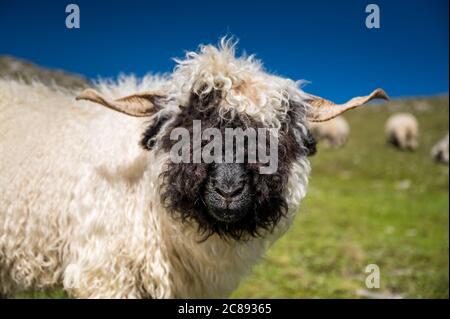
(238, 190)
(229, 192)
(219, 191)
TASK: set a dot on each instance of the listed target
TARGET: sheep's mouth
(227, 216)
(224, 210)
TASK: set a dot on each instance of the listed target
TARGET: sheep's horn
(323, 110)
(139, 105)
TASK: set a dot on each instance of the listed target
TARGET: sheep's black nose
(228, 196)
(229, 180)
(229, 191)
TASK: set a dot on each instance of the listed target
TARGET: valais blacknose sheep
(402, 131)
(439, 152)
(91, 200)
(333, 133)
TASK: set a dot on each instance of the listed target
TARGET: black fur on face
(230, 200)
(148, 140)
(305, 139)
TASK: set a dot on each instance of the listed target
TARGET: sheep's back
(402, 121)
(57, 157)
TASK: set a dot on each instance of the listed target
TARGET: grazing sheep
(334, 132)
(402, 131)
(439, 152)
(91, 200)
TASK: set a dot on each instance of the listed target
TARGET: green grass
(367, 204)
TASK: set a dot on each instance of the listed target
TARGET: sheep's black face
(232, 200)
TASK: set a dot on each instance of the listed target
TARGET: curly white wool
(245, 85)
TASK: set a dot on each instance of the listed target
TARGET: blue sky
(323, 41)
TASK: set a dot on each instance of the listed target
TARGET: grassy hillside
(367, 204)
(15, 68)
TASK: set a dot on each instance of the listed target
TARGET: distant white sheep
(333, 133)
(402, 131)
(439, 152)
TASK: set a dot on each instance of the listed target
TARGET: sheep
(334, 132)
(91, 200)
(402, 131)
(439, 152)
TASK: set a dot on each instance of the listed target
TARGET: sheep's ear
(323, 110)
(139, 104)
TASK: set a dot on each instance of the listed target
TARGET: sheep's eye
(151, 142)
(148, 140)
